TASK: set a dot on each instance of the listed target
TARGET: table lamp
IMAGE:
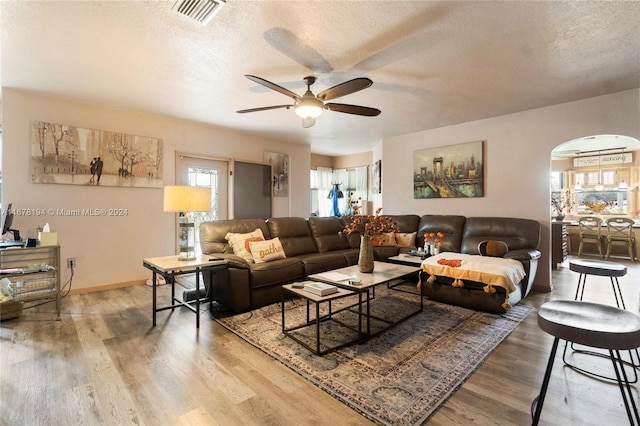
(184, 200)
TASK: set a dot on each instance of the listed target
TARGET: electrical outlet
(71, 262)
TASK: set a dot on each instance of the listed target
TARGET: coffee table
(406, 259)
(383, 273)
(316, 301)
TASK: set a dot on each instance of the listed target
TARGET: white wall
(109, 250)
(517, 161)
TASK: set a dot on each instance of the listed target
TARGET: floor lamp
(184, 200)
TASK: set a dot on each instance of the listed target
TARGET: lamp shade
(187, 199)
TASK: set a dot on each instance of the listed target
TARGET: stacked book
(321, 289)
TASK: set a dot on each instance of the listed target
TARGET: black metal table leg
(154, 283)
(539, 400)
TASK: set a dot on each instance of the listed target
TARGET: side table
(169, 267)
(600, 268)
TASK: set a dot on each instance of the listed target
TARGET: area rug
(399, 377)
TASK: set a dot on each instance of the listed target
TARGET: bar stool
(603, 269)
(595, 325)
(598, 268)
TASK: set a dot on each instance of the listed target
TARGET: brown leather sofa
(314, 245)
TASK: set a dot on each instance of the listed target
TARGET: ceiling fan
(310, 106)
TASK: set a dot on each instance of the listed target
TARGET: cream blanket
(491, 271)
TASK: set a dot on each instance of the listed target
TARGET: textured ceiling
(432, 63)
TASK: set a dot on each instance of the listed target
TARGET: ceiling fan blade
(345, 88)
(273, 86)
(242, 111)
(293, 47)
(353, 109)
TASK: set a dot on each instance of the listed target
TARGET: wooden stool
(595, 325)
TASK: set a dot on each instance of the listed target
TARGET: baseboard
(107, 287)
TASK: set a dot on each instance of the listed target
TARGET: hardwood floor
(104, 364)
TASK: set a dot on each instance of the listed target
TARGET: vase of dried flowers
(368, 226)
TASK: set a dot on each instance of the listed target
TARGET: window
(617, 200)
(353, 184)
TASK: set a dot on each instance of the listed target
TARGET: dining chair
(620, 231)
(590, 228)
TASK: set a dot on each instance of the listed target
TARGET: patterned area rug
(399, 377)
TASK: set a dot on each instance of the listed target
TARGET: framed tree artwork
(71, 155)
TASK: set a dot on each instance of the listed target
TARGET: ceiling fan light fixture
(309, 106)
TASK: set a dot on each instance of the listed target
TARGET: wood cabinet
(559, 243)
(34, 273)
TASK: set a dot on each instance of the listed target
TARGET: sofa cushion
(388, 239)
(354, 237)
(276, 272)
(326, 233)
(320, 262)
(406, 239)
(266, 251)
(241, 243)
(294, 234)
(450, 225)
(495, 248)
(406, 222)
(516, 233)
(383, 253)
(212, 233)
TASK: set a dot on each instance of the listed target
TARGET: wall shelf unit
(34, 273)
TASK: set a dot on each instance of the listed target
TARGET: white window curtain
(324, 180)
(362, 187)
(324, 175)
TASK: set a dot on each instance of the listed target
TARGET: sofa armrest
(233, 261)
(523, 254)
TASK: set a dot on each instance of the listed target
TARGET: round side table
(599, 268)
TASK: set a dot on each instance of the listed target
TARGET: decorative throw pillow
(494, 248)
(406, 239)
(386, 239)
(238, 243)
(266, 251)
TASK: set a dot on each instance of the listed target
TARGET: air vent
(200, 10)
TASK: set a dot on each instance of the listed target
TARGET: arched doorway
(593, 175)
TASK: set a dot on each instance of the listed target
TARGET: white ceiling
(433, 64)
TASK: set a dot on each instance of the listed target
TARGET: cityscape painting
(454, 171)
(75, 156)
